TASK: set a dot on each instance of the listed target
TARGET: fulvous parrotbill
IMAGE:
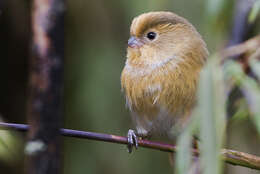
(165, 55)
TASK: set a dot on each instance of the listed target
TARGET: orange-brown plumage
(161, 73)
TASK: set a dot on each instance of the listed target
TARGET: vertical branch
(241, 26)
(45, 105)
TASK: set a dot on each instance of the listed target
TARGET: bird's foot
(132, 140)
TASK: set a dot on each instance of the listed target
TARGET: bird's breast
(142, 94)
(161, 98)
(150, 97)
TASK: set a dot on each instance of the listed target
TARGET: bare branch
(247, 46)
(230, 156)
(241, 159)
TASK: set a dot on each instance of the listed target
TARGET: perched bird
(165, 55)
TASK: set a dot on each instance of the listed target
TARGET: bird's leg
(132, 138)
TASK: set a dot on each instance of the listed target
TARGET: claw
(132, 140)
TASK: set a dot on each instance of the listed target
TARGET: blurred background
(96, 33)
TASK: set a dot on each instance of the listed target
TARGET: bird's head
(160, 37)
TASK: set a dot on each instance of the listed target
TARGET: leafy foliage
(210, 118)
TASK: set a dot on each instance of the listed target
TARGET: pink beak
(134, 42)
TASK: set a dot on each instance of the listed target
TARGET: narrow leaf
(249, 86)
(184, 144)
(254, 12)
(211, 101)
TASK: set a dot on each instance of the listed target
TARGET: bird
(165, 55)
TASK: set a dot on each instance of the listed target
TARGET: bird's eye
(151, 35)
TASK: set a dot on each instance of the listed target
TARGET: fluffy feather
(160, 77)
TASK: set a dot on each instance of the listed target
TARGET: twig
(230, 156)
(247, 46)
(241, 159)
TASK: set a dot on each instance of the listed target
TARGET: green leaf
(255, 64)
(211, 105)
(252, 90)
(253, 100)
(184, 144)
(249, 86)
(10, 147)
(242, 113)
(184, 154)
(254, 12)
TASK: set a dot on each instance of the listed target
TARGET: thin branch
(247, 46)
(230, 156)
(241, 159)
